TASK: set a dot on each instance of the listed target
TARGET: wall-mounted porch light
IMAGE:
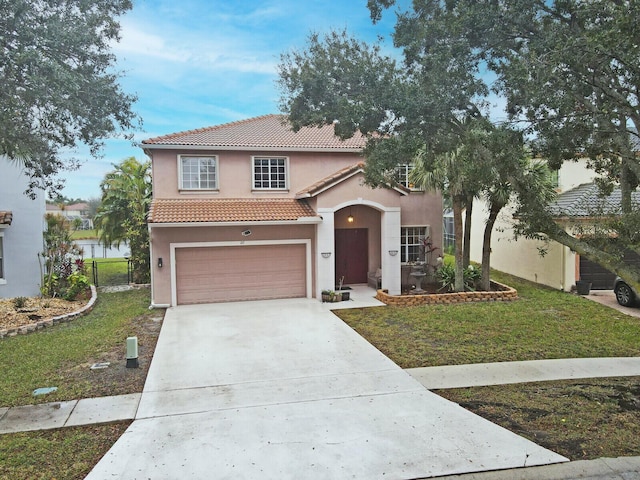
(325, 254)
(159, 262)
(393, 253)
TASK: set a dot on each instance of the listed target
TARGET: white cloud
(137, 42)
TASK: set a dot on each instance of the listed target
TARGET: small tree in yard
(122, 216)
(63, 270)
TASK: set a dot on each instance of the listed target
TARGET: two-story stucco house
(21, 229)
(251, 210)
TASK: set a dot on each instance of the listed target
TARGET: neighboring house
(72, 212)
(21, 227)
(252, 210)
(559, 267)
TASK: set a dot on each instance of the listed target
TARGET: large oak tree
(58, 85)
(568, 69)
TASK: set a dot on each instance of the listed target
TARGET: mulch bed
(36, 309)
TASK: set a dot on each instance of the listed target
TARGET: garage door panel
(218, 274)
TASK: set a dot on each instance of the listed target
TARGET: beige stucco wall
(236, 172)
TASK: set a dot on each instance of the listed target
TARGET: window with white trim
(402, 175)
(270, 173)
(198, 173)
(411, 243)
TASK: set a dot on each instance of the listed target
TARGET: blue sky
(196, 63)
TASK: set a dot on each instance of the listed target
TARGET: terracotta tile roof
(265, 132)
(338, 177)
(228, 210)
(6, 217)
(332, 179)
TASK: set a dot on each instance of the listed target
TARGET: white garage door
(227, 274)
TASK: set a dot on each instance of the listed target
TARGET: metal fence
(111, 272)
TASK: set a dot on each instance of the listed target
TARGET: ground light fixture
(132, 352)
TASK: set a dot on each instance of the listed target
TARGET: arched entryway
(357, 243)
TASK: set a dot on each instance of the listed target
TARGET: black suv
(625, 295)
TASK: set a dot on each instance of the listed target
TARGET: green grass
(84, 234)
(111, 271)
(542, 324)
(45, 358)
(580, 419)
(67, 453)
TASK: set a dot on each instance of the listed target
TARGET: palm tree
(458, 173)
(122, 216)
(447, 172)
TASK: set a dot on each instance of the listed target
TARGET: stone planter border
(50, 322)
(502, 293)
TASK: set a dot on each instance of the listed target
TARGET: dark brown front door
(352, 255)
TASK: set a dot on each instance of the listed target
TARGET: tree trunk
(466, 260)
(458, 205)
(625, 189)
(485, 279)
(630, 273)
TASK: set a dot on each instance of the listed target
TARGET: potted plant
(342, 294)
(328, 295)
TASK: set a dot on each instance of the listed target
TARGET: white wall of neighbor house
(573, 174)
(22, 240)
(557, 268)
(523, 258)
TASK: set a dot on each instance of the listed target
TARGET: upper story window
(198, 173)
(270, 173)
(402, 173)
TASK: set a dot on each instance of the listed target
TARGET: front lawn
(62, 454)
(542, 324)
(61, 356)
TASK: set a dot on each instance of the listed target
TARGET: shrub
(446, 276)
(19, 302)
(76, 284)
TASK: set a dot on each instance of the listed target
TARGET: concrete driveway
(284, 389)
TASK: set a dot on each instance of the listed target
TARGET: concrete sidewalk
(484, 374)
(125, 407)
(73, 413)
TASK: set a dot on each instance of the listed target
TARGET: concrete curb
(620, 468)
